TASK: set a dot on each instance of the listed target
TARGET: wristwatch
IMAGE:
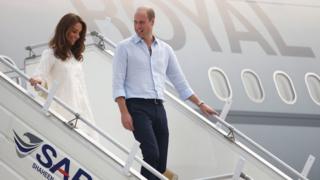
(200, 103)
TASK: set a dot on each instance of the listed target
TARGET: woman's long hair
(59, 42)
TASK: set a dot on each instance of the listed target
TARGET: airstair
(37, 143)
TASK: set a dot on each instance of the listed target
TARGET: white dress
(71, 90)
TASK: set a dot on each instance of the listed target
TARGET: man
(140, 66)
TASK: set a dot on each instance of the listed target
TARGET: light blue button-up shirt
(137, 74)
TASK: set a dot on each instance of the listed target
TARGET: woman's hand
(35, 81)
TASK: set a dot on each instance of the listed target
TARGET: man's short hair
(150, 12)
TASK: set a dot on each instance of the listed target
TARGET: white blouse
(71, 89)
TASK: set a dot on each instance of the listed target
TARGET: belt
(142, 100)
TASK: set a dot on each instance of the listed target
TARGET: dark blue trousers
(151, 130)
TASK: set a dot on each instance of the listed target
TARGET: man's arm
(118, 81)
(126, 118)
(119, 71)
(176, 76)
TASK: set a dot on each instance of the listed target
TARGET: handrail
(232, 130)
(6, 58)
(31, 47)
(103, 134)
(105, 39)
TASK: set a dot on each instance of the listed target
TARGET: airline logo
(23, 148)
(47, 161)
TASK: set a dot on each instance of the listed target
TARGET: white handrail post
(237, 173)
(130, 158)
(51, 94)
(225, 111)
(307, 166)
(238, 169)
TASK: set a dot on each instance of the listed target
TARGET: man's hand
(207, 110)
(126, 120)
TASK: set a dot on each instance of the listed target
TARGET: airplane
(261, 54)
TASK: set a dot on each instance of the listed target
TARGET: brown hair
(59, 42)
(150, 12)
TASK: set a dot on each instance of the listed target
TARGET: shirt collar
(137, 39)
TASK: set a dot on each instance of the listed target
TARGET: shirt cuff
(185, 94)
(118, 93)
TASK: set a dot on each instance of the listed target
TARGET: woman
(62, 62)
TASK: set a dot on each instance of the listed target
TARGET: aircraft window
(313, 83)
(285, 87)
(220, 84)
(252, 85)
